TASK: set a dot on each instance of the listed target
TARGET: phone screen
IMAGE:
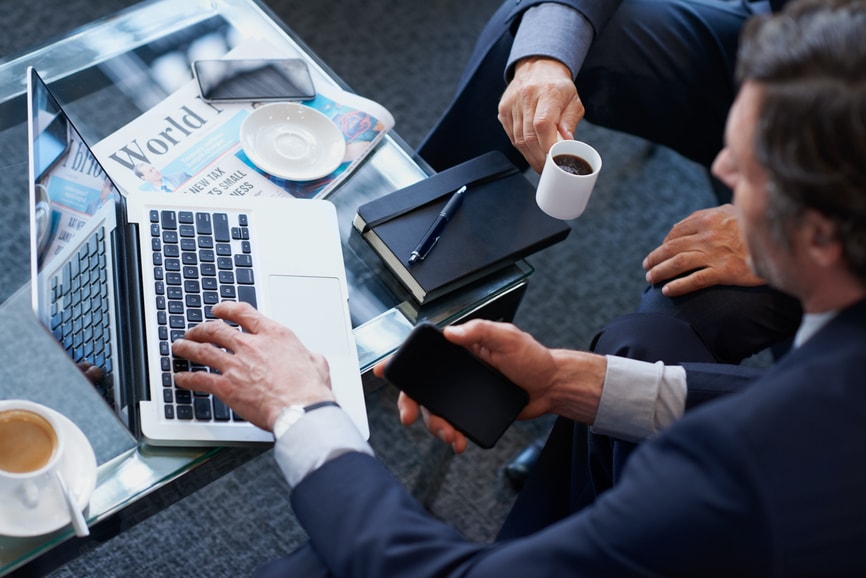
(253, 80)
(452, 383)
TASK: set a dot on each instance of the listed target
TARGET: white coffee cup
(563, 194)
(30, 449)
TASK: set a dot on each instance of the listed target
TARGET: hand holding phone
(452, 383)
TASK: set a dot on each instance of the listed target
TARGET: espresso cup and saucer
(567, 179)
(39, 447)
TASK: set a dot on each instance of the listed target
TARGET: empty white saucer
(78, 468)
(292, 141)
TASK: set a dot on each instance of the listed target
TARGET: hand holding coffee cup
(567, 179)
(30, 449)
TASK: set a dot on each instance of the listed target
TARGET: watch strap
(317, 405)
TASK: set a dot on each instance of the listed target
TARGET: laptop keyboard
(199, 259)
(80, 312)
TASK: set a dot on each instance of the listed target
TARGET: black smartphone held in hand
(253, 80)
(452, 383)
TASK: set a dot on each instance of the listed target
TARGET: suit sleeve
(708, 381)
(640, 399)
(685, 506)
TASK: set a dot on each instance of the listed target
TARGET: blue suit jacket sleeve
(362, 522)
(669, 516)
(708, 381)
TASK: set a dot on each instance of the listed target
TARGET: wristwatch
(291, 414)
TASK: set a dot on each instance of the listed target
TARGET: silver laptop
(117, 278)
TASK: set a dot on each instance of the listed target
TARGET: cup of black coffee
(567, 179)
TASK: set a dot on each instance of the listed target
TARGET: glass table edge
(144, 469)
(132, 474)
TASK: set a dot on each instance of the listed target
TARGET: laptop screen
(70, 197)
(69, 185)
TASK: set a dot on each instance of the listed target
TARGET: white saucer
(78, 468)
(292, 141)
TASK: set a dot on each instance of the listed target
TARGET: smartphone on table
(268, 80)
(454, 384)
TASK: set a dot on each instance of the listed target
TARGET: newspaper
(187, 145)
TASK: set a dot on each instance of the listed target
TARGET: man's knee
(732, 322)
(651, 337)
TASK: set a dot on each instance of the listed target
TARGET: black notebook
(497, 224)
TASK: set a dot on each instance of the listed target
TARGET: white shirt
(639, 398)
(810, 325)
(318, 437)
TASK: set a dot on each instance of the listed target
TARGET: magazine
(187, 145)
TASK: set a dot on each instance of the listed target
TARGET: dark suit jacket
(766, 482)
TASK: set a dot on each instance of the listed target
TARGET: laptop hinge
(130, 313)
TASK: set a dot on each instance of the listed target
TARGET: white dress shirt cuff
(639, 398)
(318, 437)
(553, 30)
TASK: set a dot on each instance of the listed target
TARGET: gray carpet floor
(407, 56)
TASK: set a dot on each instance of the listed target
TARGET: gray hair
(810, 61)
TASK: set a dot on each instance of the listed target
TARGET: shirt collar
(811, 324)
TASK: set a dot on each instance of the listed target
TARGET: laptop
(116, 278)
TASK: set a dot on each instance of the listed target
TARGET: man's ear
(820, 239)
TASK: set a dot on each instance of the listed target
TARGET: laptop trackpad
(312, 307)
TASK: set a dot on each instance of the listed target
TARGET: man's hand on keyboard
(262, 369)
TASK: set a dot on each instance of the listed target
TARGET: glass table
(107, 74)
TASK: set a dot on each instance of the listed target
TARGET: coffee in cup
(30, 450)
(27, 441)
(567, 179)
(573, 164)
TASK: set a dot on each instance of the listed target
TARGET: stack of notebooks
(497, 224)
